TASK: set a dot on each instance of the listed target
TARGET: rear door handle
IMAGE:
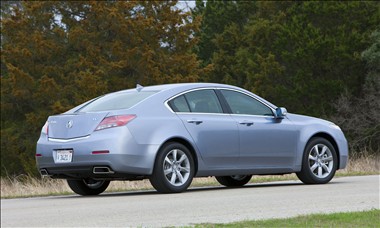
(246, 122)
(195, 121)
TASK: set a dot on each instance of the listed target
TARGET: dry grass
(364, 165)
(26, 186)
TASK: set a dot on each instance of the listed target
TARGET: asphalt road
(199, 205)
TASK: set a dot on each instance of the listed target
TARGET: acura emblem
(69, 124)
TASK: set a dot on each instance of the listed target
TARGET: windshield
(116, 101)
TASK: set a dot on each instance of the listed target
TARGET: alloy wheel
(320, 160)
(176, 167)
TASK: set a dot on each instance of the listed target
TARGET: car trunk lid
(68, 126)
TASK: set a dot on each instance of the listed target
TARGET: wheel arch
(331, 140)
(188, 145)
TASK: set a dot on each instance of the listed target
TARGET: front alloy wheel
(319, 162)
(173, 170)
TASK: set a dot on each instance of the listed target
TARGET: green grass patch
(344, 219)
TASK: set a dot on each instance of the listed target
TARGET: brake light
(45, 128)
(114, 121)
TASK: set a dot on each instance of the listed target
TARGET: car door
(214, 132)
(264, 140)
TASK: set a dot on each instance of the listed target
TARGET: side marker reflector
(101, 152)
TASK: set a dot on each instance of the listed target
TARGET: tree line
(315, 58)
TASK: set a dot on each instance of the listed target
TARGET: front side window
(244, 104)
(200, 101)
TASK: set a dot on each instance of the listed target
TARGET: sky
(185, 4)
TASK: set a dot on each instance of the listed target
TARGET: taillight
(114, 121)
(45, 128)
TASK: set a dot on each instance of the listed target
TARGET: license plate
(63, 156)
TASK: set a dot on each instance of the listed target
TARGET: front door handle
(246, 122)
(195, 121)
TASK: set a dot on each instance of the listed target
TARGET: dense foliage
(56, 55)
(315, 58)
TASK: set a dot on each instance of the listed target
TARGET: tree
(298, 54)
(359, 116)
(56, 55)
(216, 16)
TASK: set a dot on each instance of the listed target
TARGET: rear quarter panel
(155, 124)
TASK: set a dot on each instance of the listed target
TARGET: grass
(26, 186)
(344, 219)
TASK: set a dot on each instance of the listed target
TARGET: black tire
(179, 174)
(88, 187)
(234, 181)
(320, 166)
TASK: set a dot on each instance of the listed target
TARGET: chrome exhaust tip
(102, 170)
(44, 173)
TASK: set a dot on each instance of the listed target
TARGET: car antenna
(139, 87)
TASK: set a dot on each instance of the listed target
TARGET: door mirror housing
(281, 112)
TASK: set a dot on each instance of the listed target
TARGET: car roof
(181, 86)
(168, 90)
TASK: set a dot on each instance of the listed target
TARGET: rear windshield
(116, 101)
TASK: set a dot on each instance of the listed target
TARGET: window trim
(223, 103)
(196, 113)
(187, 102)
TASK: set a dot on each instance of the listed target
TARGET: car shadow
(195, 189)
(190, 190)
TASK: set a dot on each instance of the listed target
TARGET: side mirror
(281, 113)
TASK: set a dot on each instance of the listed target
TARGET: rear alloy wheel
(234, 181)
(319, 162)
(173, 169)
(88, 187)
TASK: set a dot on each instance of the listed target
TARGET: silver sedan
(173, 133)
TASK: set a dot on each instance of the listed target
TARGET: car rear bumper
(83, 172)
(126, 158)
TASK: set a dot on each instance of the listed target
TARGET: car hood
(307, 119)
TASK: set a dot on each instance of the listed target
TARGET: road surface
(197, 205)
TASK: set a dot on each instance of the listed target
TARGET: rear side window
(179, 104)
(200, 101)
(116, 101)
